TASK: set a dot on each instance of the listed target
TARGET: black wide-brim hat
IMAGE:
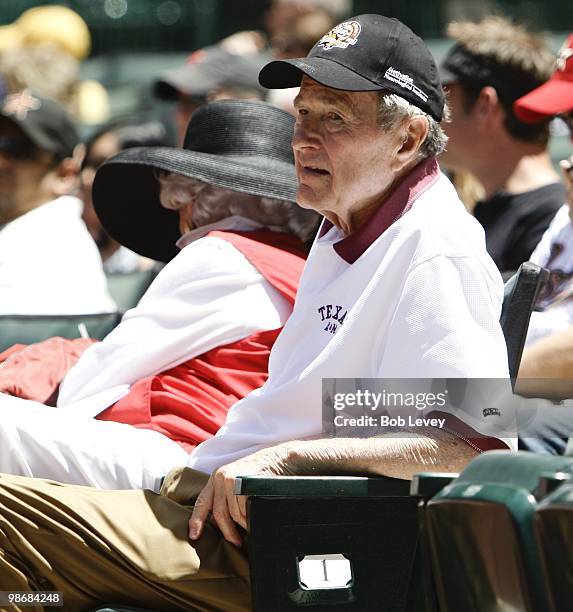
(235, 144)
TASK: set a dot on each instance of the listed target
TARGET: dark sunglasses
(18, 148)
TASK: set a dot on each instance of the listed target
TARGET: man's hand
(218, 499)
(402, 457)
(226, 508)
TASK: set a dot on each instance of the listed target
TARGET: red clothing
(34, 372)
(189, 403)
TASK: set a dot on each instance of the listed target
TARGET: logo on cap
(20, 104)
(341, 36)
(564, 54)
(405, 81)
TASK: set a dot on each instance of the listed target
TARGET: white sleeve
(208, 296)
(446, 323)
(449, 329)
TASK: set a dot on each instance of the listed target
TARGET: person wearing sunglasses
(49, 264)
(548, 355)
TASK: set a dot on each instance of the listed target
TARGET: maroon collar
(399, 201)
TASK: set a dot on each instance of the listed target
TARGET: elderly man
(398, 283)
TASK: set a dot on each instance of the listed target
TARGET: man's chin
(307, 198)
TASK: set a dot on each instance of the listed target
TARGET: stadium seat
(520, 293)
(27, 329)
(553, 522)
(481, 533)
(338, 543)
(127, 289)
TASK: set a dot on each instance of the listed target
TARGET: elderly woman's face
(181, 194)
(343, 158)
(196, 202)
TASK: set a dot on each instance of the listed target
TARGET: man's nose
(306, 134)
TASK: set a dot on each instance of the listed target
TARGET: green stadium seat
(127, 289)
(481, 533)
(27, 329)
(553, 523)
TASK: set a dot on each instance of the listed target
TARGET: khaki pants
(128, 547)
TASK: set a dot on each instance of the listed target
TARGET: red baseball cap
(554, 97)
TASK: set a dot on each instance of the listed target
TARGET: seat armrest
(321, 486)
(549, 482)
(427, 484)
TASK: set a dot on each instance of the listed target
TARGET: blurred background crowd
(132, 72)
(102, 58)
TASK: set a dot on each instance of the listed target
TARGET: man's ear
(487, 107)
(65, 176)
(414, 133)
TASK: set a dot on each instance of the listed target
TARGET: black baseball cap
(207, 70)
(367, 53)
(43, 120)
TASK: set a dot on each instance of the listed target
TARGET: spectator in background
(210, 74)
(293, 27)
(53, 25)
(300, 33)
(549, 354)
(199, 339)
(49, 263)
(106, 142)
(46, 69)
(468, 187)
(491, 64)
(42, 50)
(288, 20)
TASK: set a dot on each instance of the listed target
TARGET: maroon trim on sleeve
(469, 435)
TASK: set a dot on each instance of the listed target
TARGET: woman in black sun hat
(221, 213)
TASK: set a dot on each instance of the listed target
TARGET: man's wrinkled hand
(218, 500)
